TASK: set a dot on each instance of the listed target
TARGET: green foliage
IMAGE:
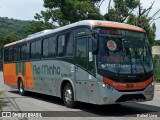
(156, 42)
(12, 26)
(121, 10)
(63, 12)
(69, 11)
(143, 22)
(12, 30)
(156, 64)
(1, 104)
(37, 26)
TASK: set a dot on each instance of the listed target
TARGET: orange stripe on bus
(128, 86)
(29, 76)
(116, 25)
(9, 71)
(11, 78)
(13, 43)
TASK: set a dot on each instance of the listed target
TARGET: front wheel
(68, 96)
(21, 88)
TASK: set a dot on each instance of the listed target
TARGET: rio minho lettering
(46, 70)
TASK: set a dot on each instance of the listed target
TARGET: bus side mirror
(95, 43)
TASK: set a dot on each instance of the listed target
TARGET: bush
(1, 104)
(156, 67)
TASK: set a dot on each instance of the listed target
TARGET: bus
(91, 61)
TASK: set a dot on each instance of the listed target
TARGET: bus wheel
(68, 96)
(21, 88)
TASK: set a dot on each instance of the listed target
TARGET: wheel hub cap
(68, 95)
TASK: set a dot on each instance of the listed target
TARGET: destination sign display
(110, 31)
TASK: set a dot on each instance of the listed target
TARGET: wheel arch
(63, 83)
(18, 79)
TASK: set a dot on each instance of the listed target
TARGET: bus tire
(21, 87)
(68, 96)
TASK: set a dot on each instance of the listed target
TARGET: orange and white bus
(98, 62)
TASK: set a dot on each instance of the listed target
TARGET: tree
(122, 11)
(143, 20)
(37, 26)
(64, 12)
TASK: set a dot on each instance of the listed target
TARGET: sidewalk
(157, 86)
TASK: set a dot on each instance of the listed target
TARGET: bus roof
(91, 23)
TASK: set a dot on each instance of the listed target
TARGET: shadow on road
(90, 110)
(46, 98)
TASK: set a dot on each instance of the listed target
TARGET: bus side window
(15, 54)
(27, 51)
(33, 50)
(81, 52)
(6, 53)
(45, 48)
(61, 43)
(24, 52)
(65, 45)
(52, 47)
(38, 50)
(10, 54)
(68, 48)
(90, 57)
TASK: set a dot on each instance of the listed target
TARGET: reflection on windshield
(127, 54)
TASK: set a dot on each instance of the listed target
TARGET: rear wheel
(68, 96)
(21, 87)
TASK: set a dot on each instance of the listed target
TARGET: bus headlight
(107, 86)
(103, 85)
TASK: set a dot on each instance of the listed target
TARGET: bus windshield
(124, 52)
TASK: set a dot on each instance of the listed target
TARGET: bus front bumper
(109, 95)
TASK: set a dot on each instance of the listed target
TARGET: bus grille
(131, 97)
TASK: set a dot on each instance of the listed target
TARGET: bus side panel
(86, 87)
(29, 78)
(23, 70)
(48, 75)
(10, 77)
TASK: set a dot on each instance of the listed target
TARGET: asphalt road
(52, 106)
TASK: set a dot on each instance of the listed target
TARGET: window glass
(68, 44)
(38, 50)
(25, 55)
(6, 55)
(61, 43)
(45, 48)
(81, 52)
(10, 54)
(27, 51)
(52, 46)
(33, 50)
(15, 54)
(90, 57)
(65, 45)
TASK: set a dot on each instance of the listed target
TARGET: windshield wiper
(122, 55)
(143, 66)
(143, 63)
